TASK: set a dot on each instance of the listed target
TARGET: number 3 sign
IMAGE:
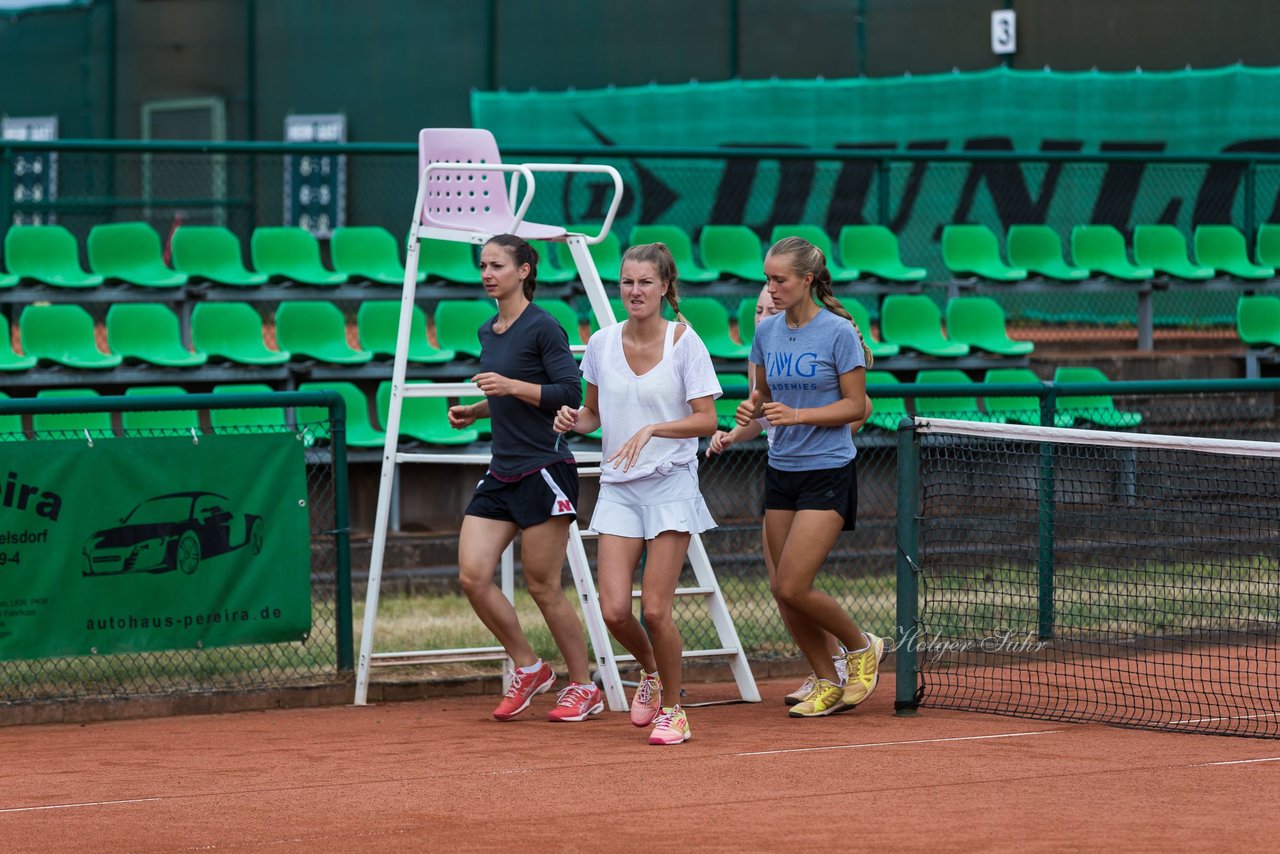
(1004, 32)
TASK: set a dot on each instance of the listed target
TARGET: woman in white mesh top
(651, 389)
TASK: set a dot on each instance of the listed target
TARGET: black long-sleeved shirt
(535, 350)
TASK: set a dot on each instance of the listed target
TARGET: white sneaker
(805, 689)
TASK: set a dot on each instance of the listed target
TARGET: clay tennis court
(440, 775)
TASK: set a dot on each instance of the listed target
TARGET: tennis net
(1080, 575)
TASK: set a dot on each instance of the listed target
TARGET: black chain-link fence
(324, 656)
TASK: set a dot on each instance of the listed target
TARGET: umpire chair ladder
(463, 196)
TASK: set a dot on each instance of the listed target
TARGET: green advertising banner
(1182, 111)
(133, 545)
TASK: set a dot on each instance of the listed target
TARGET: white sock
(532, 668)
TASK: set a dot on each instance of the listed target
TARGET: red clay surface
(440, 775)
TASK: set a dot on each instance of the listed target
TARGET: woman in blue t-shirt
(808, 379)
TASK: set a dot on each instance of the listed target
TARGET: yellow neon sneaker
(864, 670)
(826, 698)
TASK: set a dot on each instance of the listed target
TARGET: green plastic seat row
(1258, 320)
(1099, 410)
(913, 321)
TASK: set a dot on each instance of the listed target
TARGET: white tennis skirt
(646, 507)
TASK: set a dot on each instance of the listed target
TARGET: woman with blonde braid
(808, 374)
(652, 389)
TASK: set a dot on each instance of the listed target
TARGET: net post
(907, 698)
(1044, 516)
(342, 531)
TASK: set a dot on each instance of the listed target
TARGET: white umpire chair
(464, 195)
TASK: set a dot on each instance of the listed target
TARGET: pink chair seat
(470, 200)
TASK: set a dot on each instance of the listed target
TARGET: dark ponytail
(523, 253)
(807, 259)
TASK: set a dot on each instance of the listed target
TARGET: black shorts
(820, 489)
(531, 500)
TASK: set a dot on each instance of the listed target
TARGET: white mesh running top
(629, 402)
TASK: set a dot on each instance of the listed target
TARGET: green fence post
(882, 192)
(1250, 204)
(1048, 407)
(342, 531)
(907, 698)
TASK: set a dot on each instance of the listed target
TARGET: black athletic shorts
(531, 500)
(819, 489)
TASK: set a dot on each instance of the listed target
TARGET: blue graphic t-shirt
(803, 367)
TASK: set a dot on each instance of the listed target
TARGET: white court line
(1228, 718)
(1237, 762)
(896, 743)
(71, 806)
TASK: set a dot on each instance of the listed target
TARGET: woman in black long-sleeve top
(527, 373)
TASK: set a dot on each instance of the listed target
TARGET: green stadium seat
(171, 420)
(232, 331)
(607, 254)
(566, 317)
(886, 412)
(1018, 409)
(980, 323)
(449, 260)
(46, 254)
(681, 246)
(249, 420)
(873, 250)
(1038, 249)
(131, 253)
(9, 358)
(212, 253)
(360, 430)
(484, 426)
(548, 271)
(368, 252)
(1258, 320)
(973, 250)
(292, 254)
(962, 408)
(378, 323)
(458, 323)
(317, 330)
(734, 250)
(913, 321)
(425, 419)
(1164, 249)
(815, 235)
(63, 334)
(1269, 244)
(9, 280)
(70, 425)
(862, 317)
(1099, 409)
(1222, 248)
(11, 425)
(1100, 249)
(727, 404)
(711, 321)
(149, 332)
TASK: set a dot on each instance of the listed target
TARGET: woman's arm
(851, 407)
(700, 422)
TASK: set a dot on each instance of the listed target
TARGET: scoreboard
(34, 175)
(315, 185)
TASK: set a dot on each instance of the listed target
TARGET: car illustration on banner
(172, 532)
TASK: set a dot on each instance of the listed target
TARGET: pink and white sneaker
(524, 687)
(647, 701)
(577, 703)
(672, 727)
